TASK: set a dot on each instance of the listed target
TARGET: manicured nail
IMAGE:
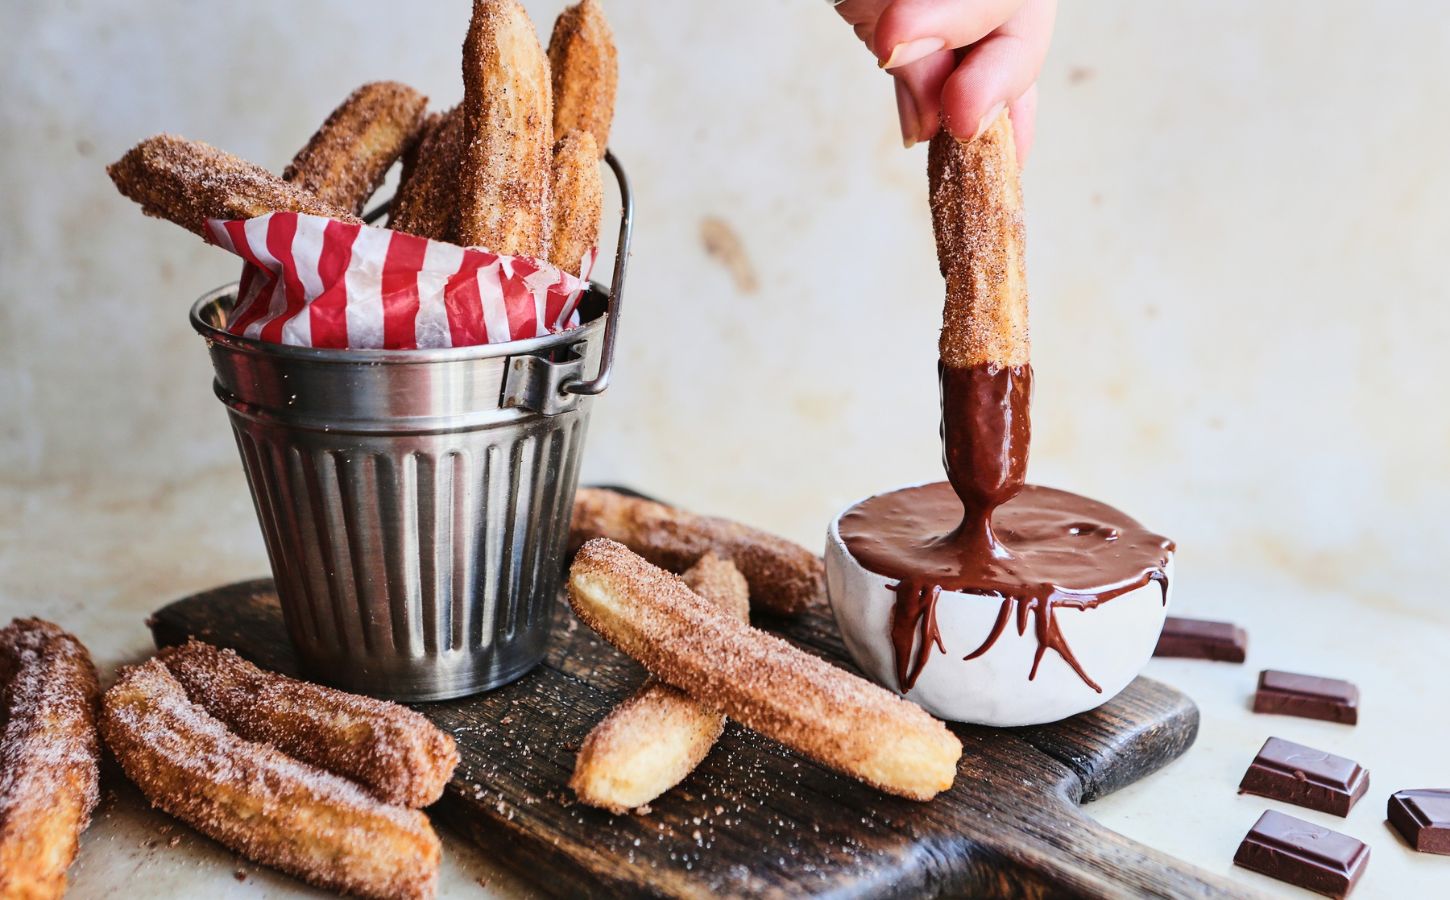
(989, 119)
(906, 110)
(908, 52)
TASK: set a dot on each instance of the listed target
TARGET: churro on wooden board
(348, 157)
(427, 195)
(188, 182)
(253, 798)
(507, 134)
(976, 209)
(657, 737)
(48, 755)
(837, 719)
(395, 753)
(785, 578)
(584, 69)
(576, 200)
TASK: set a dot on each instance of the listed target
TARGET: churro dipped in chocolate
(507, 134)
(785, 578)
(49, 755)
(348, 157)
(577, 200)
(585, 72)
(394, 752)
(657, 737)
(838, 719)
(189, 182)
(427, 195)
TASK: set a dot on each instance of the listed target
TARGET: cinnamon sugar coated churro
(392, 751)
(807, 704)
(584, 68)
(427, 194)
(508, 134)
(260, 802)
(785, 578)
(976, 207)
(348, 156)
(49, 755)
(658, 736)
(576, 200)
(188, 182)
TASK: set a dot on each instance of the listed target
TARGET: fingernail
(908, 52)
(990, 118)
(906, 110)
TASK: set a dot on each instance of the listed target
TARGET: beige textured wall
(1236, 224)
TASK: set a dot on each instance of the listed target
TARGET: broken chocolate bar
(1303, 854)
(1306, 777)
(1307, 696)
(1422, 817)
(1202, 639)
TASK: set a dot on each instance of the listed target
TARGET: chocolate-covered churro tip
(976, 205)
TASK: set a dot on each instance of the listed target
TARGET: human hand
(958, 62)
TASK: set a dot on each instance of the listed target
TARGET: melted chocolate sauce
(985, 532)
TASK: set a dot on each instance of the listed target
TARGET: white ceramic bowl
(1112, 642)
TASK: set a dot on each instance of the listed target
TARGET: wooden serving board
(757, 819)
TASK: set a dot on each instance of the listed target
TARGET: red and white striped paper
(311, 281)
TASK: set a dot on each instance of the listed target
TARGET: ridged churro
(785, 578)
(427, 195)
(585, 72)
(189, 182)
(255, 799)
(976, 210)
(802, 701)
(576, 200)
(392, 751)
(49, 755)
(657, 737)
(348, 157)
(508, 134)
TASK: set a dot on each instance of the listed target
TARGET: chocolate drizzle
(985, 532)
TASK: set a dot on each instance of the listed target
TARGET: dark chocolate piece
(1307, 696)
(1303, 854)
(1202, 639)
(1422, 817)
(1301, 775)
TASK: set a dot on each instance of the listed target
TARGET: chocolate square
(1307, 696)
(1303, 854)
(1422, 817)
(1306, 777)
(1202, 639)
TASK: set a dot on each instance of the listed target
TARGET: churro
(189, 182)
(821, 711)
(508, 136)
(784, 578)
(255, 799)
(427, 194)
(976, 209)
(48, 755)
(392, 751)
(585, 72)
(657, 737)
(576, 200)
(350, 154)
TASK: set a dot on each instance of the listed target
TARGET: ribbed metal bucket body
(415, 504)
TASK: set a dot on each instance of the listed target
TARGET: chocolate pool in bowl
(1060, 617)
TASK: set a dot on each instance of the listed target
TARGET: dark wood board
(756, 819)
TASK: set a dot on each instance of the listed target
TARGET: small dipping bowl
(1112, 642)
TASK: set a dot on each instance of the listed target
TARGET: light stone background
(1236, 220)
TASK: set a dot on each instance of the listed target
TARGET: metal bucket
(415, 504)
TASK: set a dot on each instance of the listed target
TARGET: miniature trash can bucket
(415, 503)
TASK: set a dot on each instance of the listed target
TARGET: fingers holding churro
(826, 713)
(576, 200)
(584, 69)
(49, 755)
(348, 157)
(392, 751)
(507, 134)
(189, 182)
